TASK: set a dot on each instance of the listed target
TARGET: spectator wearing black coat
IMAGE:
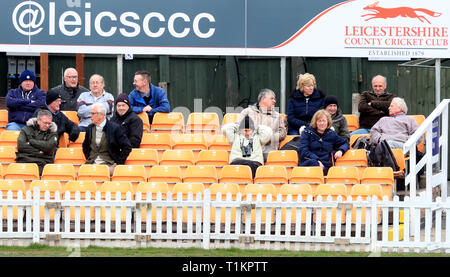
(63, 123)
(69, 90)
(105, 141)
(130, 122)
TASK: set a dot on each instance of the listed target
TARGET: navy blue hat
(27, 75)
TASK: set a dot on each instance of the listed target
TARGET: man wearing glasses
(37, 140)
(69, 90)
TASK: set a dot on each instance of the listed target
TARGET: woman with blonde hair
(303, 103)
(319, 144)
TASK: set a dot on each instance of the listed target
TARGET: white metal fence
(238, 221)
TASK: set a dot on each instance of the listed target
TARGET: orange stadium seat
(195, 142)
(334, 191)
(7, 156)
(143, 156)
(60, 172)
(271, 174)
(287, 139)
(264, 190)
(296, 191)
(286, 158)
(172, 123)
(3, 119)
(203, 122)
(364, 191)
(230, 118)
(400, 158)
(150, 190)
(354, 157)
(145, 122)
(307, 175)
(78, 143)
(53, 187)
(353, 138)
(343, 175)
(14, 186)
(181, 158)
(239, 174)
(171, 174)
(83, 187)
(91, 172)
(72, 116)
(380, 175)
(352, 122)
(74, 156)
(420, 118)
(205, 174)
(113, 187)
(218, 142)
(25, 171)
(158, 141)
(224, 190)
(131, 173)
(9, 138)
(184, 189)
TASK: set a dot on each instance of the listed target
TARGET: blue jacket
(21, 105)
(159, 101)
(312, 146)
(302, 109)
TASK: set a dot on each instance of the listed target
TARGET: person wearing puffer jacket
(318, 142)
(38, 140)
(303, 103)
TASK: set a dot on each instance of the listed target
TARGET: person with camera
(247, 142)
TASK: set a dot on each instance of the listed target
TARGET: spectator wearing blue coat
(303, 103)
(318, 143)
(23, 101)
(147, 97)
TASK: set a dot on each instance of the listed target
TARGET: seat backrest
(177, 157)
(282, 157)
(7, 156)
(28, 171)
(420, 118)
(145, 121)
(218, 142)
(12, 185)
(156, 141)
(241, 174)
(200, 173)
(189, 141)
(73, 156)
(202, 122)
(263, 189)
(99, 172)
(46, 185)
(81, 186)
(353, 157)
(352, 121)
(213, 157)
(224, 188)
(378, 175)
(271, 174)
(9, 138)
(344, 175)
(58, 172)
(152, 188)
(135, 173)
(400, 158)
(230, 118)
(296, 189)
(172, 122)
(165, 173)
(307, 175)
(115, 186)
(72, 116)
(185, 188)
(331, 189)
(3, 118)
(142, 156)
(78, 143)
(365, 190)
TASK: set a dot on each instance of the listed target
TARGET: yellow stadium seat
(380, 175)
(203, 122)
(182, 158)
(296, 190)
(83, 187)
(205, 174)
(113, 187)
(131, 173)
(286, 158)
(9, 138)
(364, 191)
(217, 158)
(239, 174)
(353, 138)
(158, 141)
(145, 121)
(149, 191)
(72, 116)
(307, 175)
(25, 171)
(224, 189)
(14, 186)
(264, 190)
(333, 190)
(143, 156)
(171, 174)
(218, 142)
(195, 142)
(271, 174)
(7, 156)
(230, 118)
(420, 118)
(94, 172)
(354, 157)
(53, 187)
(78, 143)
(352, 122)
(172, 123)
(343, 175)
(60, 172)
(74, 156)
(184, 189)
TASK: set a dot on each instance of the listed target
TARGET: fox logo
(379, 12)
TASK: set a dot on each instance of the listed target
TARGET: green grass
(37, 250)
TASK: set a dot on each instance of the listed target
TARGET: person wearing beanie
(63, 123)
(340, 125)
(247, 142)
(130, 122)
(69, 90)
(23, 101)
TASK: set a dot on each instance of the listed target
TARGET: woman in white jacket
(247, 142)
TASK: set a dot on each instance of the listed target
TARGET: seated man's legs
(360, 131)
(13, 126)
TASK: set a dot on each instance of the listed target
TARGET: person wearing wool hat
(23, 101)
(340, 125)
(63, 123)
(247, 142)
(128, 120)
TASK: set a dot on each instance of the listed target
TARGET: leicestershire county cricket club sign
(330, 28)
